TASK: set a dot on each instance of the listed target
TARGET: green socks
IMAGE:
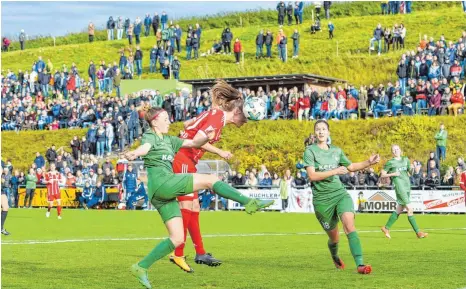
(392, 220)
(224, 190)
(333, 247)
(355, 247)
(412, 221)
(161, 250)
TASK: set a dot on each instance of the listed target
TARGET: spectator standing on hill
(138, 60)
(137, 30)
(129, 33)
(227, 37)
(295, 38)
(147, 24)
(195, 45)
(362, 102)
(327, 5)
(268, 43)
(155, 22)
(153, 59)
(117, 82)
(198, 32)
(164, 20)
(441, 140)
(22, 39)
(178, 34)
(39, 161)
(281, 13)
(259, 44)
(119, 26)
(377, 36)
(331, 27)
(91, 31)
(176, 66)
(91, 71)
(237, 50)
(110, 27)
(189, 46)
(289, 13)
(51, 154)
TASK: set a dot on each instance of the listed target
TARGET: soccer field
(95, 249)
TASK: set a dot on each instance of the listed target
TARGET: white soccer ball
(121, 206)
(254, 108)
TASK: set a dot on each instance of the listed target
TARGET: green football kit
(401, 183)
(330, 198)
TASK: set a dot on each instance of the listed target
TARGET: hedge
(279, 144)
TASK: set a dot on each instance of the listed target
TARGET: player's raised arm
(198, 141)
(212, 149)
(142, 150)
(385, 174)
(365, 164)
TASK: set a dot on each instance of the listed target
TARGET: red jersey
(53, 182)
(207, 122)
(463, 181)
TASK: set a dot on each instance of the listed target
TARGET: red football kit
(53, 188)
(208, 122)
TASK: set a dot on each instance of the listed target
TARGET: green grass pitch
(95, 249)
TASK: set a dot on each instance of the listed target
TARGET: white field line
(35, 242)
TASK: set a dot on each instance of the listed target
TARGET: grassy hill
(258, 142)
(318, 55)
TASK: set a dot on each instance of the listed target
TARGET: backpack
(165, 34)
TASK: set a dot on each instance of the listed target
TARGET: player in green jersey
(324, 163)
(158, 150)
(398, 169)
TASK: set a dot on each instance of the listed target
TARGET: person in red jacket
(463, 183)
(421, 98)
(351, 106)
(237, 48)
(304, 106)
(457, 102)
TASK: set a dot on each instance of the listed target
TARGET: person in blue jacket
(129, 181)
(39, 161)
(137, 30)
(139, 194)
(86, 195)
(147, 24)
(98, 197)
(164, 20)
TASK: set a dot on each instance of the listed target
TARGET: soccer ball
(254, 108)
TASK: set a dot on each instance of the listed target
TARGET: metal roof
(279, 77)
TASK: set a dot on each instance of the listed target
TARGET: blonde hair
(226, 97)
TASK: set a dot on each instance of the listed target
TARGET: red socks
(59, 210)
(195, 233)
(186, 214)
(191, 223)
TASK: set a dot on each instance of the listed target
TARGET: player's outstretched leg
(251, 206)
(347, 219)
(334, 238)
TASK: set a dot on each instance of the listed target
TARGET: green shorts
(328, 213)
(163, 191)
(403, 198)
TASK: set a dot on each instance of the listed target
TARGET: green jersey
(401, 182)
(322, 161)
(162, 152)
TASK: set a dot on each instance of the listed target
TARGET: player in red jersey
(53, 179)
(227, 103)
(463, 184)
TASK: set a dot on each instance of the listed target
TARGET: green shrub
(280, 144)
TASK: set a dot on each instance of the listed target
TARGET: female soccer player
(228, 109)
(397, 169)
(331, 201)
(158, 151)
(5, 207)
(53, 179)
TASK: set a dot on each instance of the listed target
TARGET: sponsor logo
(167, 158)
(380, 201)
(438, 204)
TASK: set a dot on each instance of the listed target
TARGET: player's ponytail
(226, 97)
(310, 140)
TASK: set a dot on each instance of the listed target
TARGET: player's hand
(226, 155)
(130, 156)
(341, 170)
(374, 159)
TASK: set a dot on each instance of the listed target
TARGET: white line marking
(35, 242)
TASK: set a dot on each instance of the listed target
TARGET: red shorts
(184, 165)
(53, 197)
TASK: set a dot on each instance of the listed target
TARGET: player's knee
(212, 179)
(410, 211)
(177, 240)
(349, 228)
